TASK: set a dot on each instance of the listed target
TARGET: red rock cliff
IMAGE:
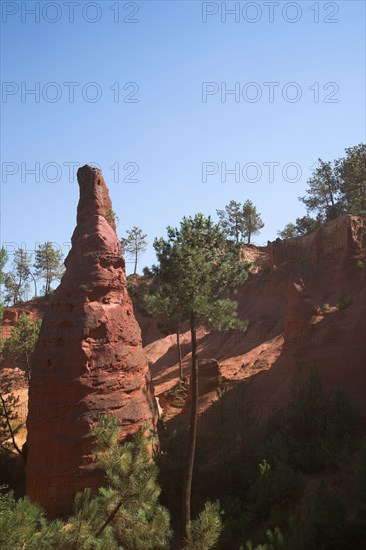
(88, 359)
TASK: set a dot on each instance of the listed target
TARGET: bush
(178, 393)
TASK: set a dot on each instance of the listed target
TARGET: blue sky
(161, 61)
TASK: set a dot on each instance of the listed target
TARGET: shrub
(344, 301)
(178, 393)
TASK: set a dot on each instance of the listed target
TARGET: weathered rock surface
(300, 311)
(88, 360)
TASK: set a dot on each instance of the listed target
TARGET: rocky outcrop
(88, 359)
(300, 311)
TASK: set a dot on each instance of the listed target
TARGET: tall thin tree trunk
(187, 486)
(134, 271)
(35, 284)
(28, 366)
(179, 355)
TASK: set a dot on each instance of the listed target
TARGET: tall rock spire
(88, 359)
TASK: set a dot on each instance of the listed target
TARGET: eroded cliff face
(88, 360)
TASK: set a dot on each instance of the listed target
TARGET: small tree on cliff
(240, 221)
(48, 262)
(252, 222)
(134, 244)
(338, 187)
(302, 226)
(323, 193)
(352, 180)
(231, 219)
(197, 270)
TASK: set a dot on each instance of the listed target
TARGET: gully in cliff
(88, 360)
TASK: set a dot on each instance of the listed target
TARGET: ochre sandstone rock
(300, 311)
(88, 360)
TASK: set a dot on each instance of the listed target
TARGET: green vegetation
(9, 423)
(204, 532)
(240, 221)
(22, 341)
(134, 245)
(287, 478)
(123, 514)
(335, 188)
(302, 226)
(48, 263)
(112, 218)
(196, 271)
(344, 301)
(17, 281)
(263, 464)
(20, 346)
(178, 393)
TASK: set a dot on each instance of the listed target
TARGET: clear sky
(141, 89)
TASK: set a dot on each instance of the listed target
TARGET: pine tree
(231, 219)
(48, 262)
(252, 222)
(351, 171)
(197, 269)
(134, 245)
(302, 226)
(323, 194)
(203, 533)
(338, 187)
(16, 281)
(240, 221)
(123, 514)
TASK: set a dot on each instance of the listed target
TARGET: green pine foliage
(48, 264)
(335, 188)
(22, 340)
(204, 532)
(133, 245)
(196, 271)
(130, 501)
(240, 221)
(125, 514)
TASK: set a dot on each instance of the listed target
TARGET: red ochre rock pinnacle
(88, 359)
